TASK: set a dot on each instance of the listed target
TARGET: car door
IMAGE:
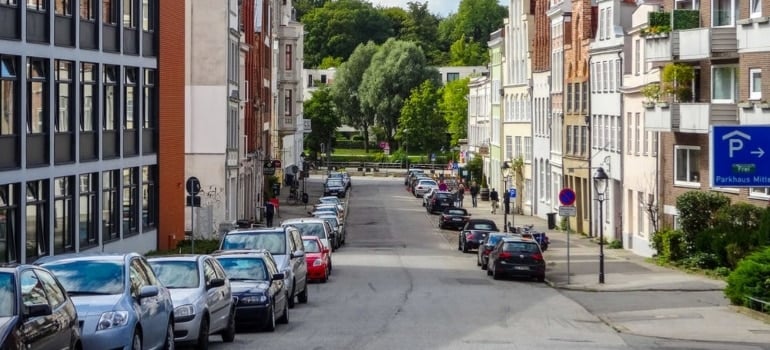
(149, 309)
(39, 332)
(215, 297)
(299, 265)
(63, 313)
(277, 288)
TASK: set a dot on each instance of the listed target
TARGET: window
(149, 196)
(63, 7)
(110, 205)
(724, 85)
(755, 8)
(55, 293)
(88, 88)
(569, 97)
(130, 97)
(508, 147)
(687, 4)
(452, 76)
(148, 11)
(602, 19)
(761, 192)
(287, 102)
(654, 143)
(755, 84)
(569, 139)
(618, 76)
(629, 132)
(584, 98)
(289, 57)
(687, 165)
(723, 12)
(109, 12)
(130, 198)
(37, 5)
(8, 218)
(111, 76)
(87, 12)
(149, 99)
(518, 153)
(637, 56)
(137, 276)
(527, 148)
(605, 76)
(63, 87)
(583, 140)
(637, 132)
(32, 292)
(37, 230)
(88, 210)
(11, 3)
(37, 97)
(8, 94)
(129, 14)
(645, 143)
(63, 232)
(608, 23)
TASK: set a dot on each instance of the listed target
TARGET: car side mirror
(148, 291)
(326, 250)
(37, 310)
(278, 277)
(216, 282)
(297, 254)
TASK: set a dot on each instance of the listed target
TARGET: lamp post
(600, 186)
(303, 173)
(505, 171)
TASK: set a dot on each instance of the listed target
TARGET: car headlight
(112, 319)
(184, 312)
(253, 299)
(317, 262)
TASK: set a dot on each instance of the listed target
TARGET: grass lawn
(355, 152)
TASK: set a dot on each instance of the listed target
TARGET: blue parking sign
(512, 193)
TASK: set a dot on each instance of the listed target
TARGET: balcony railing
(286, 125)
(689, 117)
(658, 117)
(756, 114)
(688, 41)
(753, 34)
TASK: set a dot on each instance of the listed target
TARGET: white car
(424, 186)
(426, 197)
(329, 199)
(312, 227)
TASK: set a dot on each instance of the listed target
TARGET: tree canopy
(421, 124)
(320, 110)
(344, 91)
(454, 106)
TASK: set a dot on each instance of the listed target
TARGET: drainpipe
(617, 138)
(590, 156)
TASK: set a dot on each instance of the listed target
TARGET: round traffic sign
(193, 186)
(567, 196)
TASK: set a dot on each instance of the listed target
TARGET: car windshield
(331, 183)
(84, 277)
(482, 226)
(332, 221)
(456, 212)
(311, 246)
(273, 241)
(7, 294)
(521, 247)
(177, 274)
(428, 183)
(493, 239)
(311, 229)
(244, 268)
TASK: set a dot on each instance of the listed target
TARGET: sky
(441, 7)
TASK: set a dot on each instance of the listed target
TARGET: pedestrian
(495, 200)
(269, 212)
(460, 195)
(474, 194)
(442, 186)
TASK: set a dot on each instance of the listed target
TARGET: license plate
(521, 267)
(457, 219)
(444, 204)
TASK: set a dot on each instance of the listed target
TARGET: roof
(242, 252)
(302, 220)
(180, 257)
(85, 256)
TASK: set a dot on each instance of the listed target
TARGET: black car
(485, 248)
(334, 187)
(474, 232)
(35, 311)
(516, 256)
(440, 201)
(258, 288)
(453, 218)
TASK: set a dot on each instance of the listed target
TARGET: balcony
(289, 76)
(689, 117)
(691, 44)
(753, 34)
(757, 114)
(291, 31)
(286, 125)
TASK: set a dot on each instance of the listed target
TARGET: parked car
(35, 311)
(486, 247)
(330, 199)
(338, 208)
(312, 227)
(424, 186)
(453, 218)
(338, 236)
(440, 201)
(417, 180)
(516, 256)
(334, 187)
(285, 246)
(411, 173)
(474, 232)
(426, 197)
(120, 301)
(262, 298)
(319, 264)
(347, 181)
(203, 300)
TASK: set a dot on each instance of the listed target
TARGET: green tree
(345, 89)
(396, 69)
(421, 115)
(454, 106)
(320, 110)
(330, 62)
(336, 29)
(465, 52)
(421, 27)
(476, 19)
(304, 6)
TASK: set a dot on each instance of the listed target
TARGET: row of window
(577, 140)
(542, 106)
(639, 140)
(517, 108)
(577, 97)
(126, 199)
(522, 148)
(605, 76)
(70, 79)
(112, 11)
(605, 132)
(606, 24)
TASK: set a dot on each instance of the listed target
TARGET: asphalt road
(400, 283)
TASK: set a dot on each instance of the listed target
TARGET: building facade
(560, 16)
(492, 165)
(479, 120)
(543, 195)
(80, 128)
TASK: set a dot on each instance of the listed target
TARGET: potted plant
(484, 193)
(764, 104)
(745, 105)
(651, 93)
(677, 80)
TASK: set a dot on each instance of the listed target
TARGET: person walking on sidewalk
(460, 195)
(474, 194)
(269, 212)
(495, 199)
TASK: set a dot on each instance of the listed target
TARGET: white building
(452, 73)
(479, 119)
(640, 149)
(607, 65)
(561, 17)
(212, 110)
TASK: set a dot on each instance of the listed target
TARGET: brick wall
(171, 89)
(541, 43)
(753, 60)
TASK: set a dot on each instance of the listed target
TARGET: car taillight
(537, 256)
(487, 250)
(505, 255)
(469, 235)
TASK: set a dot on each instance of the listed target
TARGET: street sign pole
(568, 262)
(193, 187)
(192, 228)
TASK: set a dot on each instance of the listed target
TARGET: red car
(317, 257)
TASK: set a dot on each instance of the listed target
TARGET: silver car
(312, 227)
(203, 301)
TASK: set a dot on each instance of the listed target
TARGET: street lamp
(505, 170)
(600, 186)
(302, 157)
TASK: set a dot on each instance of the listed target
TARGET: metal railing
(374, 166)
(758, 304)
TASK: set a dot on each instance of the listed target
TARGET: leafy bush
(354, 144)
(686, 19)
(697, 213)
(722, 271)
(615, 244)
(658, 18)
(670, 245)
(750, 279)
(700, 261)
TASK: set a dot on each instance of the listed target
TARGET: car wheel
(330, 266)
(465, 248)
(291, 295)
(478, 260)
(285, 316)
(302, 297)
(169, 344)
(136, 343)
(270, 323)
(228, 335)
(203, 335)
(440, 225)
(459, 244)
(496, 275)
(326, 276)
(489, 272)
(541, 278)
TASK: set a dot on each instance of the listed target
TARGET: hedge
(658, 18)
(347, 144)
(686, 19)
(750, 279)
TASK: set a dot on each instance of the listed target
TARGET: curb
(580, 288)
(757, 315)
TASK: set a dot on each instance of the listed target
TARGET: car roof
(182, 257)
(518, 239)
(86, 256)
(302, 221)
(255, 230)
(242, 252)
